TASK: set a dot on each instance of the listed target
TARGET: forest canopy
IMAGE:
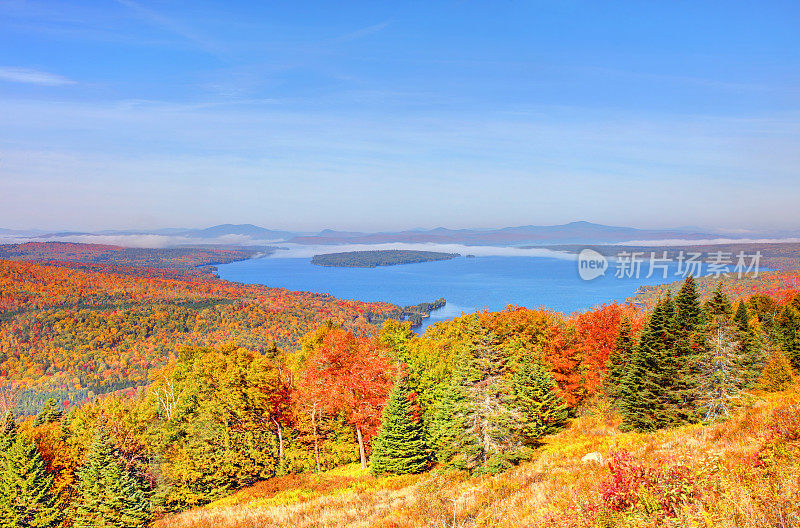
(387, 257)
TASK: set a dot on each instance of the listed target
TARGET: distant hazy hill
(175, 258)
(572, 233)
(253, 231)
(20, 232)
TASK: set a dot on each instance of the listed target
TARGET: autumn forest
(131, 394)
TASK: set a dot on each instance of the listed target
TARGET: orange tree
(350, 375)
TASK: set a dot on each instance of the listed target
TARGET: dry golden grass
(556, 489)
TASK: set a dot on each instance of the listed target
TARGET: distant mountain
(571, 233)
(580, 232)
(340, 234)
(253, 231)
(20, 232)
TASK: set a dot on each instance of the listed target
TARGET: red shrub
(633, 486)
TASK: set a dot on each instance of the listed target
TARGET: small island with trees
(415, 313)
(386, 257)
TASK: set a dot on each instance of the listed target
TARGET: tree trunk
(316, 441)
(361, 450)
(280, 443)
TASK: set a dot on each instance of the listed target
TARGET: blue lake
(468, 284)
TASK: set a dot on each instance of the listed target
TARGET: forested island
(415, 313)
(386, 257)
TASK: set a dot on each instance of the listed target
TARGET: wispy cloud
(31, 76)
(707, 241)
(166, 160)
(363, 32)
(168, 24)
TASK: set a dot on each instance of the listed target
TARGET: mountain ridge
(576, 232)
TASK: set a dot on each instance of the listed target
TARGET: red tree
(351, 375)
(562, 354)
(596, 334)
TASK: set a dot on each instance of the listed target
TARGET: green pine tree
(8, 434)
(645, 401)
(399, 447)
(789, 324)
(109, 496)
(718, 304)
(675, 377)
(451, 440)
(25, 498)
(617, 363)
(751, 355)
(686, 352)
(742, 317)
(543, 411)
(687, 305)
(50, 413)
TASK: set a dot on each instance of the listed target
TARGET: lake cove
(468, 284)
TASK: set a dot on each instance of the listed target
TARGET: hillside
(176, 258)
(73, 332)
(784, 256)
(772, 283)
(237, 405)
(743, 472)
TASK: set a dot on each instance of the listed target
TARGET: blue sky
(372, 116)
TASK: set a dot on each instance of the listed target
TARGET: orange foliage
(351, 375)
(596, 332)
(183, 257)
(76, 329)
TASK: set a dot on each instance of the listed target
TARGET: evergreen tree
(543, 411)
(450, 428)
(675, 376)
(688, 349)
(720, 373)
(645, 402)
(8, 434)
(742, 317)
(492, 419)
(687, 306)
(767, 310)
(25, 498)
(50, 413)
(109, 496)
(399, 447)
(668, 325)
(719, 304)
(476, 424)
(617, 363)
(789, 324)
(751, 354)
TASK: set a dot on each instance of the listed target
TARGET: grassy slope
(556, 489)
